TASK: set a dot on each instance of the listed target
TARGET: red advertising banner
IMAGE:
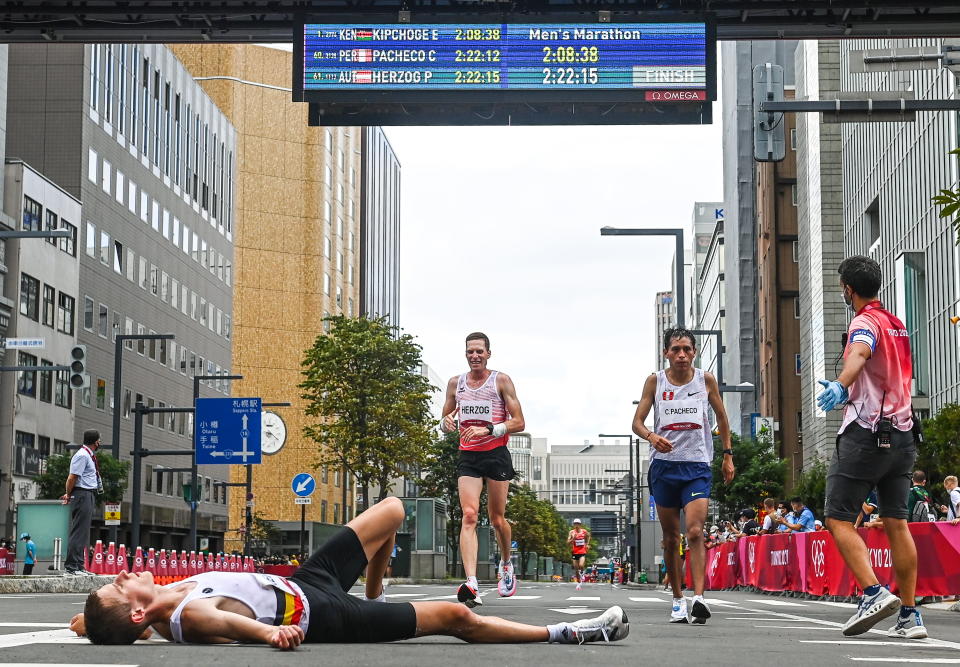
(811, 563)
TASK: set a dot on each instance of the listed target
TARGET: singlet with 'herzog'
(681, 416)
(484, 407)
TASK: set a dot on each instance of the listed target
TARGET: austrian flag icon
(363, 55)
(363, 76)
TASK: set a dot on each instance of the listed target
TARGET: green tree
(537, 525)
(57, 466)
(939, 455)
(949, 203)
(760, 473)
(371, 404)
(811, 486)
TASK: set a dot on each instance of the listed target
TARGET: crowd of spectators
(794, 516)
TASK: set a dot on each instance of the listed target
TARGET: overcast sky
(500, 233)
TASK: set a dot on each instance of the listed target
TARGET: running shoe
(700, 612)
(910, 627)
(872, 610)
(507, 585)
(579, 586)
(612, 625)
(679, 612)
(469, 595)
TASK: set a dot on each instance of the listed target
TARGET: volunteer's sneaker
(469, 595)
(872, 610)
(610, 626)
(507, 585)
(699, 611)
(910, 627)
(679, 612)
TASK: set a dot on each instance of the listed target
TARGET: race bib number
(681, 415)
(579, 542)
(476, 413)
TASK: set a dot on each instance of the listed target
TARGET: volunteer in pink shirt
(875, 449)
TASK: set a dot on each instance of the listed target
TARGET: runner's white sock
(473, 582)
(557, 634)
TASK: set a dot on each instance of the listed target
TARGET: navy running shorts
(676, 483)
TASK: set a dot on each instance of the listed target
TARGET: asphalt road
(747, 628)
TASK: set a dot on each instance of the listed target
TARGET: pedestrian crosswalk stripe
(34, 625)
(523, 597)
(778, 603)
(843, 605)
(914, 643)
(576, 610)
(38, 637)
(648, 599)
(926, 661)
(586, 597)
(405, 595)
(722, 603)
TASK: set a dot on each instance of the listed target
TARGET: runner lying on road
(311, 606)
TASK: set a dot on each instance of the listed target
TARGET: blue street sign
(228, 430)
(303, 484)
(514, 545)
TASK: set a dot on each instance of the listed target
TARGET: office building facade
(126, 130)
(380, 227)
(663, 319)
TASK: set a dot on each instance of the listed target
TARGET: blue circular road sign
(303, 484)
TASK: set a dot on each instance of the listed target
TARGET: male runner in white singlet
(486, 404)
(681, 449)
(314, 605)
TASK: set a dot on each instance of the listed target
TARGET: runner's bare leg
(470, 489)
(447, 618)
(696, 513)
(376, 529)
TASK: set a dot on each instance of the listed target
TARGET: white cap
(714, 529)
(577, 521)
(818, 522)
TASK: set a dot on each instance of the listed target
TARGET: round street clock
(273, 432)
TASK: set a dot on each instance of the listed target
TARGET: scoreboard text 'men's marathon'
(624, 56)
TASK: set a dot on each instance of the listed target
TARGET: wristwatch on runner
(728, 451)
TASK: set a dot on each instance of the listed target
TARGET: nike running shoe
(700, 612)
(469, 595)
(910, 627)
(679, 612)
(507, 585)
(872, 610)
(612, 625)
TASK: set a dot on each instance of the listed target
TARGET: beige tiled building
(297, 256)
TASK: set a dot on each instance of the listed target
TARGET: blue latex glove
(834, 394)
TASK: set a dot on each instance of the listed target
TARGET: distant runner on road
(485, 401)
(681, 449)
(579, 541)
(314, 605)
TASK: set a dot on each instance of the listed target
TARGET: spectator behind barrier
(919, 503)
(803, 518)
(952, 508)
(770, 511)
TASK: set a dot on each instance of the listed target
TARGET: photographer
(800, 520)
(745, 526)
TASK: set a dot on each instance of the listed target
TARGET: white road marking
(648, 599)
(405, 595)
(439, 597)
(842, 605)
(406, 586)
(795, 627)
(523, 597)
(39, 637)
(778, 603)
(722, 603)
(912, 643)
(757, 618)
(34, 625)
(926, 661)
(585, 598)
(576, 610)
(59, 664)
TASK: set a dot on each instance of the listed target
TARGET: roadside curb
(54, 584)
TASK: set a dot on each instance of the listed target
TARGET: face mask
(847, 300)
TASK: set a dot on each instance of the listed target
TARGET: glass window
(326, 283)
(29, 297)
(183, 299)
(92, 165)
(101, 393)
(49, 305)
(132, 196)
(116, 326)
(131, 265)
(32, 215)
(69, 244)
(166, 224)
(65, 314)
(26, 380)
(174, 291)
(120, 187)
(175, 239)
(326, 247)
(163, 286)
(91, 240)
(154, 279)
(63, 396)
(186, 239)
(144, 203)
(912, 275)
(46, 382)
(155, 216)
(118, 257)
(143, 273)
(104, 248)
(88, 305)
(103, 321)
(105, 177)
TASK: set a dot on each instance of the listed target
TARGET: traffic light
(78, 367)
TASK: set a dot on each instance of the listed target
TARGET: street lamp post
(634, 495)
(677, 233)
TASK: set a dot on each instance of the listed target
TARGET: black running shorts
(858, 466)
(335, 615)
(494, 464)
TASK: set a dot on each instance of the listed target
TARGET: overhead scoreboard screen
(408, 62)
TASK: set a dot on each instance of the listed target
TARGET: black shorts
(858, 466)
(335, 615)
(494, 464)
(578, 556)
